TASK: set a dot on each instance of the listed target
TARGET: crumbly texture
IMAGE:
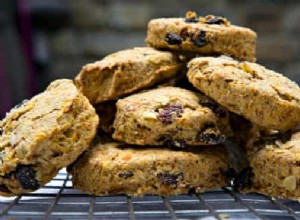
(274, 169)
(42, 135)
(117, 168)
(169, 116)
(202, 37)
(126, 72)
(262, 96)
(108, 111)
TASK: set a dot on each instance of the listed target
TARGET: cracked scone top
(274, 168)
(170, 116)
(117, 168)
(262, 96)
(42, 135)
(202, 35)
(125, 72)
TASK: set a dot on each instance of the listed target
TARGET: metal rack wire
(58, 200)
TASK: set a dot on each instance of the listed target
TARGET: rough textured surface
(203, 36)
(263, 96)
(42, 135)
(116, 168)
(172, 116)
(125, 72)
(275, 169)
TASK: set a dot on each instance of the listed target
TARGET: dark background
(42, 40)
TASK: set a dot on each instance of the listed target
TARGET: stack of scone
(167, 113)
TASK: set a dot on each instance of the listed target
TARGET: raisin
(199, 40)
(208, 135)
(185, 34)
(218, 110)
(173, 39)
(176, 144)
(4, 188)
(1, 131)
(26, 176)
(169, 179)
(229, 80)
(126, 175)
(243, 179)
(166, 116)
(215, 20)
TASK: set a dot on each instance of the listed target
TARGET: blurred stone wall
(100, 27)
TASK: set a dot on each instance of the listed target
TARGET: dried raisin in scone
(169, 116)
(262, 96)
(42, 135)
(118, 168)
(203, 35)
(274, 169)
(125, 72)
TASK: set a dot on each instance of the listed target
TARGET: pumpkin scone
(274, 169)
(262, 96)
(170, 116)
(118, 168)
(42, 135)
(126, 72)
(202, 35)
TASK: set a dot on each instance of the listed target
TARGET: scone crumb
(290, 183)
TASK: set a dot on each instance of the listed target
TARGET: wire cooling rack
(58, 200)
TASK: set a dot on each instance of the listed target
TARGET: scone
(42, 135)
(274, 169)
(126, 72)
(262, 96)
(202, 35)
(117, 168)
(169, 116)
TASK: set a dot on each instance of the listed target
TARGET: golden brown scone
(169, 116)
(117, 168)
(202, 35)
(274, 169)
(264, 97)
(126, 72)
(42, 135)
